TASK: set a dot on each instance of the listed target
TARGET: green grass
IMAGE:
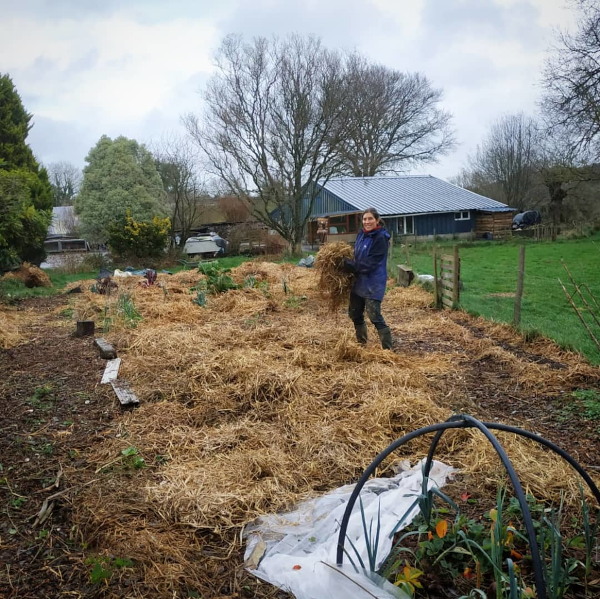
(489, 275)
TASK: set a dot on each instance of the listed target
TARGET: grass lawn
(489, 275)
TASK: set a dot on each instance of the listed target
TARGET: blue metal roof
(409, 194)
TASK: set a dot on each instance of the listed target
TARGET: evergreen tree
(120, 176)
(25, 191)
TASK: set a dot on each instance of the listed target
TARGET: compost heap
(260, 398)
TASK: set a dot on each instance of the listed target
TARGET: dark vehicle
(526, 219)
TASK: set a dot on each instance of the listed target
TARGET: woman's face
(369, 222)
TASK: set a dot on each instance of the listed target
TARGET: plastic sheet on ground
(297, 551)
(309, 261)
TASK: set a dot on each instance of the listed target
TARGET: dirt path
(53, 411)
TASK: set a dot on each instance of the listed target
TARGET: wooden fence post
(455, 278)
(519, 291)
(436, 284)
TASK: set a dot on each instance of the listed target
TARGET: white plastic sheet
(297, 551)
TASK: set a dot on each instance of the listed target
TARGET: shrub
(131, 239)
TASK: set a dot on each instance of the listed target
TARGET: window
(464, 215)
(338, 224)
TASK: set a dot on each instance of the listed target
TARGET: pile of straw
(334, 284)
(10, 334)
(254, 402)
(30, 275)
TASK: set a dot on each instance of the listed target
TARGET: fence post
(436, 284)
(519, 291)
(455, 278)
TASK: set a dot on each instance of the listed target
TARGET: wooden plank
(447, 258)
(107, 351)
(447, 302)
(111, 371)
(124, 393)
(447, 276)
(447, 285)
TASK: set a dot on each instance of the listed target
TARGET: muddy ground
(54, 411)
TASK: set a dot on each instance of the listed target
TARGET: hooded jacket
(370, 263)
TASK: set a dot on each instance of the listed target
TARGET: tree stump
(405, 275)
(85, 328)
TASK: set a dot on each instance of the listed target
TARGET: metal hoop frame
(466, 421)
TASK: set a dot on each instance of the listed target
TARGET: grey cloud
(56, 141)
(340, 24)
(447, 22)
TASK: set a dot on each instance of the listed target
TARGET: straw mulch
(262, 398)
(10, 328)
(30, 275)
(334, 284)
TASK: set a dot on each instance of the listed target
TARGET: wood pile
(498, 224)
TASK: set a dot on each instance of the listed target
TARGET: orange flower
(441, 528)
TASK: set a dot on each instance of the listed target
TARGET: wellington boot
(361, 333)
(386, 337)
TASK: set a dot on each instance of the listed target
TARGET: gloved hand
(348, 266)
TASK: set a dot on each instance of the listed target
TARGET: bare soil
(54, 411)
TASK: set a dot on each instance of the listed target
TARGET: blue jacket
(370, 263)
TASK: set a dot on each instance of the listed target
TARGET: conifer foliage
(25, 191)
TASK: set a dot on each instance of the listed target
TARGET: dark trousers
(356, 311)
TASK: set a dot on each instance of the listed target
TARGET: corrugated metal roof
(409, 194)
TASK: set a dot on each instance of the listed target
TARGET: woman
(370, 266)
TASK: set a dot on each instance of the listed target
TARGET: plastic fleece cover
(297, 551)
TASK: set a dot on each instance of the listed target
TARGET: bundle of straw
(31, 275)
(334, 283)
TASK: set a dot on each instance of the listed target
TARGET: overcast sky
(85, 68)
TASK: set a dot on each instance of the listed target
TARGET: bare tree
(505, 163)
(273, 125)
(571, 81)
(561, 171)
(394, 120)
(65, 179)
(235, 209)
(176, 161)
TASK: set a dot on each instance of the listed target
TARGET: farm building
(415, 205)
(61, 235)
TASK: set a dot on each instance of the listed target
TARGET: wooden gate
(447, 283)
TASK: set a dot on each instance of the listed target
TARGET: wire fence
(542, 292)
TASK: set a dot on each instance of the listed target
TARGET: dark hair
(375, 213)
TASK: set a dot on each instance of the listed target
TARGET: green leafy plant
(103, 568)
(41, 397)
(590, 532)
(127, 311)
(558, 571)
(132, 458)
(489, 551)
(590, 399)
(17, 502)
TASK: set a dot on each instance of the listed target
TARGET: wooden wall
(496, 224)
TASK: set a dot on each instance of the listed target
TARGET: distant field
(489, 275)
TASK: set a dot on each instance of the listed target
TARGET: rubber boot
(361, 333)
(386, 337)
